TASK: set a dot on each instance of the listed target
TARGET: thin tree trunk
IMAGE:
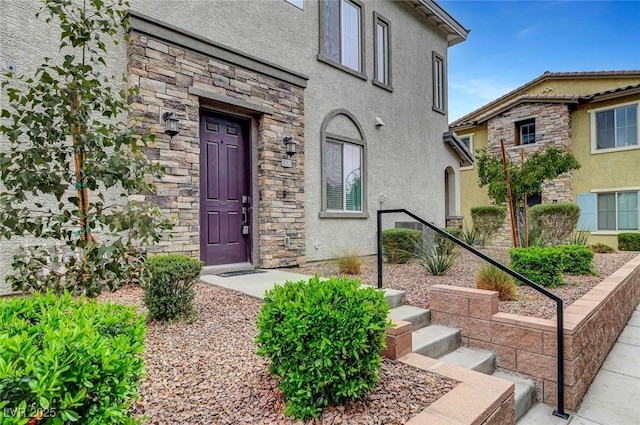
(512, 213)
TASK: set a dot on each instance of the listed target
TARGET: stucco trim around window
(360, 73)
(379, 19)
(593, 122)
(439, 83)
(325, 137)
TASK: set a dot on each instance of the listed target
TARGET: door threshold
(222, 268)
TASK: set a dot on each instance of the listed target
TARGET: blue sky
(513, 42)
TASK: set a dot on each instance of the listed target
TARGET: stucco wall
(471, 194)
(610, 170)
(406, 158)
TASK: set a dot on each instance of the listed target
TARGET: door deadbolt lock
(245, 229)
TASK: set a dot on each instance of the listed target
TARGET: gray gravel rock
(208, 373)
(416, 280)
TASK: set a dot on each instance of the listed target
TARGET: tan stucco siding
(471, 194)
(602, 171)
(580, 87)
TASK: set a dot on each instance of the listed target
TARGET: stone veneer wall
(527, 345)
(164, 74)
(553, 128)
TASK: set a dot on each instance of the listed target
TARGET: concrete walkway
(614, 395)
(256, 284)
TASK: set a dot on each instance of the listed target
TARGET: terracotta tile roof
(466, 120)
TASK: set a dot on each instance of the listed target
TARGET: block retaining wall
(527, 345)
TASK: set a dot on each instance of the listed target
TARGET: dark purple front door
(224, 190)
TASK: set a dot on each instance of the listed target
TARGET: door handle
(244, 215)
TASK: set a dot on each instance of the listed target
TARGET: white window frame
(616, 191)
(594, 141)
(342, 142)
(470, 136)
(328, 137)
(518, 130)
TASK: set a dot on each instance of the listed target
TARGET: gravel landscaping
(416, 281)
(207, 372)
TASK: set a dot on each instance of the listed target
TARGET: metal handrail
(559, 303)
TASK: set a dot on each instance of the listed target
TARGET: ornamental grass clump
(68, 360)
(323, 341)
(492, 278)
(350, 262)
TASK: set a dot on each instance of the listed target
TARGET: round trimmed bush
(323, 340)
(170, 293)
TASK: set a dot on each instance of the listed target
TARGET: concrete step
(435, 341)
(525, 392)
(419, 317)
(482, 361)
(394, 297)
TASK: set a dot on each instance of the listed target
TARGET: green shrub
(171, 291)
(577, 259)
(487, 220)
(601, 248)
(454, 231)
(629, 241)
(543, 266)
(554, 222)
(69, 361)
(398, 245)
(491, 278)
(350, 262)
(323, 340)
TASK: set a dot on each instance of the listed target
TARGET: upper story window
(439, 84)
(341, 33)
(382, 52)
(615, 128)
(526, 132)
(467, 140)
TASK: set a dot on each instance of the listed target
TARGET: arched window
(343, 166)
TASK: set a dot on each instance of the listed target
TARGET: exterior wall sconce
(290, 145)
(171, 124)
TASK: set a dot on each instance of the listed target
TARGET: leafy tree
(70, 153)
(526, 179)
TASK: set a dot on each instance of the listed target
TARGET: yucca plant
(492, 278)
(439, 259)
(469, 235)
(579, 237)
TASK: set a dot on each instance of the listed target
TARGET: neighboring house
(596, 115)
(359, 86)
